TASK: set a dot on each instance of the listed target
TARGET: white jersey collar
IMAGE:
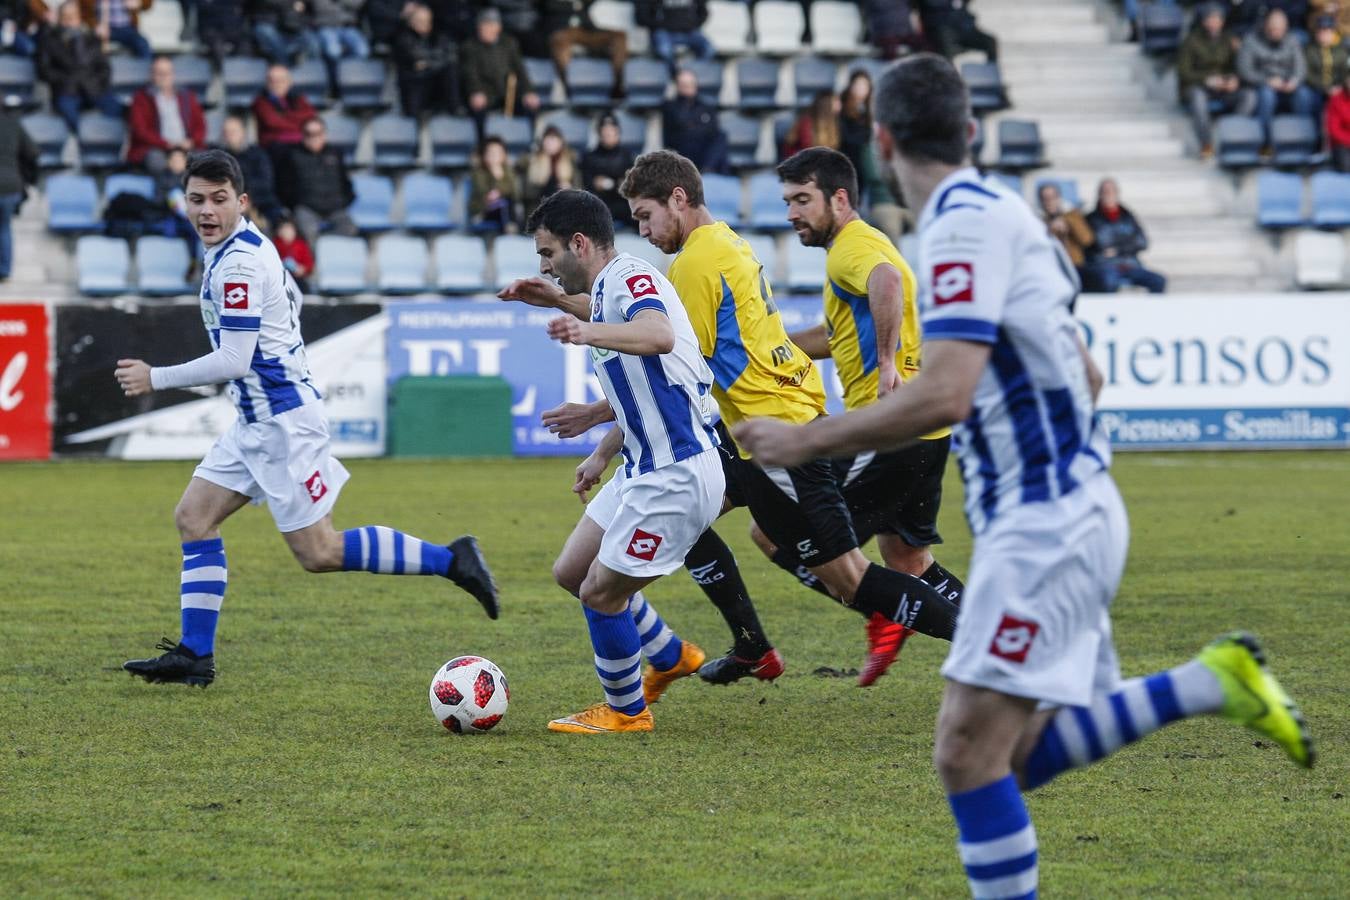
(967, 173)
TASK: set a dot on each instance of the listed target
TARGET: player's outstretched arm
(228, 362)
(575, 419)
(815, 341)
(885, 300)
(545, 293)
(648, 334)
(593, 467)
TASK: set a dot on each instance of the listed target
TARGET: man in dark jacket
(675, 24)
(283, 29)
(1207, 77)
(1327, 57)
(568, 25)
(18, 169)
(487, 61)
(949, 26)
(218, 28)
(317, 188)
(162, 117)
(1271, 64)
(428, 66)
(259, 176)
(690, 127)
(603, 168)
(1113, 259)
(71, 61)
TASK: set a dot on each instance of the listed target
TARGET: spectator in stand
(316, 185)
(218, 29)
(1337, 9)
(855, 117)
(1118, 239)
(675, 25)
(568, 24)
(18, 169)
(520, 18)
(815, 126)
(71, 61)
(169, 192)
(339, 34)
(603, 168)
(890, 25)
(1337, 124)
(493, 193)
(1207, 77)
(259, 173)
(19, 24)
(1328, 60)
(1271, 64)
(550, 168)
(384, 18)
(283, 30)
(428, 66)
(1068, 226)
(281, 112)
(116, 20)
(690, 127)
(492, 71)
(950, 27)
(163, 117)
(295, 252)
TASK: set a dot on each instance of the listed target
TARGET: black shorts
(897, 492)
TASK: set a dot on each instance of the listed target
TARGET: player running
(277, 450)
(1033, 681)
(669, 489)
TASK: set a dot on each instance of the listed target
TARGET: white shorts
(1035, 617)
(284, 461)
(652, 520)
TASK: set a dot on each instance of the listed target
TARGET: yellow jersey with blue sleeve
(855, 252)
(757, 370)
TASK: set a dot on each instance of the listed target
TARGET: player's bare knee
(568, 576)
(600, 598)
(191, 524)
(955, 754)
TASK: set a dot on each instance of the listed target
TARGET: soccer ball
(469, 695)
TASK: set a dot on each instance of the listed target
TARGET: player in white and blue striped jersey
(1033, 686)
(277, 451)
(669, 489)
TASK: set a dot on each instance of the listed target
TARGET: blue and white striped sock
(375, 548)
(618, 659)
(660, 645)
(1080, 735)
(997, 841)
(201, 593)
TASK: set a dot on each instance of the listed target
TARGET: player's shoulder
(631, 276)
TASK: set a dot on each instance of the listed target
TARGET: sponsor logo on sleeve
(643, 545)
(953, 283)
(642, 286)
(314, 484)
(1012, 640)
(236, 295)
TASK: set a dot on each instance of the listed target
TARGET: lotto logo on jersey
(643, 545)
(236, 295)
(642, 286)
(314, 484)
(1013, 638)
(953, 283)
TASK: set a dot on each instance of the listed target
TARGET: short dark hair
(572, 212)
(215, 167)
(829, 169)
(923, 103)
(657, 174)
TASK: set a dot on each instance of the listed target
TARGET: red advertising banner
(25, 383)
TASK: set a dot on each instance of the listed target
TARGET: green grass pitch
(313, 766)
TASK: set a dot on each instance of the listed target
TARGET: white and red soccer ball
(469, 695)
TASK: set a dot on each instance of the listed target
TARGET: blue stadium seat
(129, 75)
(372, 210)
(645, 80)
(765, 248)
(427, 202)
(987, 91)
(805, 267)
(1068, 190)
(453, 139)
(977, 142)
(758, 82)
(576, 129)
(722, 196)
(812, 76)
(461, 261)
(514, 132)
(360, 84)
(340, 264)
(401, 263)
(162, 265)
(1238, 140)
(779, 27)
(1019, 145)
(18, 77)
(632, 131)
(344, 133)
(310, 78)
(215, 122)
(709, 75)
(194, 74)
(50, 133)
(1279, 200)
(101, 138)
(243, 77)
(102, 266)
(590, 82)
(128, 183)
(513, 257)
(395, 140)
(542, 74)
(782, 124)
(72, 203)
(768, 212)
(1296, 141)
(837, 28)
(1160, 28)
(1331, 200)
(742, 138)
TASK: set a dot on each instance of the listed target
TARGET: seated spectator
(163, 117)
(890, 26)
(295, 252)
(384, 18)
(550, 168)
(690, 127)
(218, 29)
(675, 26)
(71, 61)
(283, 30)
(339, 35)
(19, 24)
(492, 71)
(1337, 9)
(18, 169)
(1328, 60)
(816, 126)
(1207, 77)
(1246, 16)
(1068, 226)
(457, 19)
(259, 174)
(316, 186)
(1271, 64)
(116, 21)
(493, 192)
(1337, 125)
(568, 24)
(1118, 239)
(428, 66)
(280, 111)
(603, 168)
(855, 117)
(949, 26)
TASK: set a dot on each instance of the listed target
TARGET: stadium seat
(812, 76)
(645, 80)
(395, 140)
(618, 16)
(50, 133)
(215, 121)
(162, 265)
(101, 138)
(1019, 145)
(310, 78)
(1295, 141)
(642, 249)
(1319, 260)
(128, 183)
(779, 25)
(632, 131)
(161, 24)
(427, 202)
(722, 197)
(102, 265)
(242, 78)
(340, 264)
(782, 124)
(1068, 190)
(757, 81)
(805, 267)
(194, 73)
(576, 129)
(344, 133)
(743, 133)
(513, 257)
(18, 78)
(129, 75)
(977, 142)
(590, 82)
(768, 212)
(514, 132)
(1331, 200)
(765, 248)
(709, 75)
(372, 210)
(72, 203)
(1238, 140)
(401, 263)
(453, 140)
(1279, 200)
(1160, 28)
(543, 77)
(837, 28)
(360, 84)
(460, 264)
(987, 91)
(728, 27)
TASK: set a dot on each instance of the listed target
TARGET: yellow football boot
(1252, 696)
(602, 719)
(654, 683)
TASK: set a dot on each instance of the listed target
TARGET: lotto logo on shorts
(953, 283)
(314, 484)
(642, 286)
(643, 545)
(236, 295)
(1013, 638)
